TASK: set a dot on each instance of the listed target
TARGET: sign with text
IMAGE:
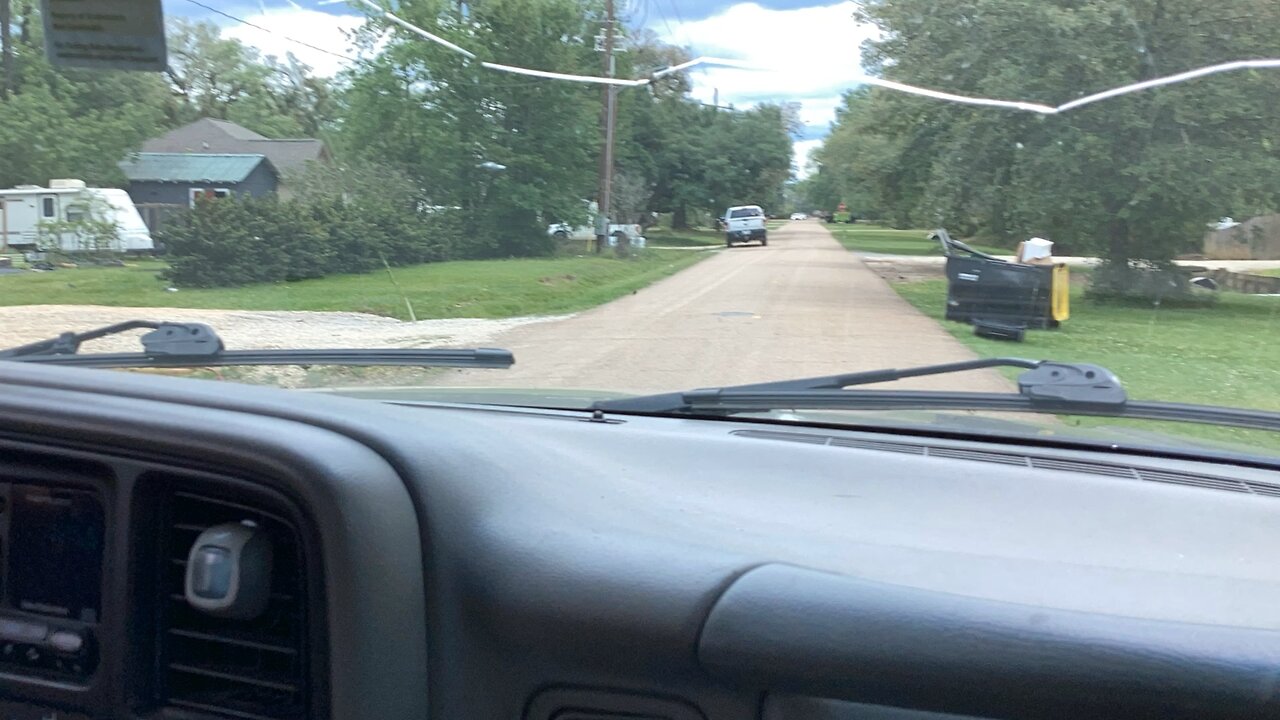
(105, 34)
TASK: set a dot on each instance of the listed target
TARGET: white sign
(105, 34)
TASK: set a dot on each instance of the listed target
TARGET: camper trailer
(24, 209)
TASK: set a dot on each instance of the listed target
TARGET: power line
(255, 26)
(358, 61)
(657, 5)
(1039, 108)
(675, 6)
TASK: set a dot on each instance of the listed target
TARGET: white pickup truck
(744, 223)
(565, 231)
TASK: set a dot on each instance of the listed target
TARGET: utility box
(981, 287)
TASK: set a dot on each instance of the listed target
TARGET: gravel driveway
(250, 330)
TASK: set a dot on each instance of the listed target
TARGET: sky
(810, 49)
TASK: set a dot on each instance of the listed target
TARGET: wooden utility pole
(6, 52)
(605, 200)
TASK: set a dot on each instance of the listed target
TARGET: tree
(1132, 178)
(425, 110)
(71, 123)
(222, 78)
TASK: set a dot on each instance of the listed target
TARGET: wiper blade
(1046, 387)
(177, 345)
(1046, 382)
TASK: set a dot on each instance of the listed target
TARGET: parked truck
(56, 218)
(745, 223)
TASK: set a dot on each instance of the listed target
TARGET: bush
(1129, 282)
(238, 241)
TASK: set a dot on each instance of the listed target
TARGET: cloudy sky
(810, 48)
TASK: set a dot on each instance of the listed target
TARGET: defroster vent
(254, 669)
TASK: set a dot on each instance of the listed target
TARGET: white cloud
(808, 52)
(800, 156)
(321, 29)
(808, 55)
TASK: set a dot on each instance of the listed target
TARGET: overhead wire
(1039, 108)
(348, 58)
(256, 26)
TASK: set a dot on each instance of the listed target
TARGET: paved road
(801, 306)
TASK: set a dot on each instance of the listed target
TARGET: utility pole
(6, 52)
(605, 201)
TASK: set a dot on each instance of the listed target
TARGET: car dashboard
(461, 561)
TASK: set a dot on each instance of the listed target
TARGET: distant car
(744, 223)
(799, 216)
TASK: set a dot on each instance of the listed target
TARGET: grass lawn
(876, 239)
(1273, 272)
(477, 289)
(690, 237)
(1220, 355)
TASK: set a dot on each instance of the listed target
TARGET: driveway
(801, 306)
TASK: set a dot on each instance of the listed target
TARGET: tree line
(1134, 178)
(420, 117)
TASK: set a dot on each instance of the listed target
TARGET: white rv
(25, 208)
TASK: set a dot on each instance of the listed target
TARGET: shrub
(1130, 282)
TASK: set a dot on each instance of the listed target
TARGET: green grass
(1271, 272)
(876, 239)
(1225, 354)
(479, 289)
(690, 237)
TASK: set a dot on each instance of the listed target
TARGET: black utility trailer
(982, 288)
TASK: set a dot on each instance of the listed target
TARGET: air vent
(1115, 470)
(252, 669)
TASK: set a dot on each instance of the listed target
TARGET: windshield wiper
(177, 345)
(1046, 387)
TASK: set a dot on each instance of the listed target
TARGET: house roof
(192, 167)
(207, 135)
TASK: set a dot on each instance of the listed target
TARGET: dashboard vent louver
(251, 669)
(1115, 470)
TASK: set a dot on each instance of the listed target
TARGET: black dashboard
(437, 561)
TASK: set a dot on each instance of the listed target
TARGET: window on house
(75, 213)
(208, 193)
(47, 208)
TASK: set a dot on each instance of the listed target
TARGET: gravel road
(801, 306)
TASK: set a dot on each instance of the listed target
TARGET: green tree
(1132, 178)
(67, 122)
(439, 118)
(222, 78)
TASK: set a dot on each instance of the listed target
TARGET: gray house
(161, 182)
(209, 136)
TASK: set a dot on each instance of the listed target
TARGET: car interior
(186, 549)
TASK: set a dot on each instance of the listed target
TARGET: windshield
(556, 177)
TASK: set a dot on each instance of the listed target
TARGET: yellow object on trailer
(1060, 293)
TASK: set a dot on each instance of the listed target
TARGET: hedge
(236, 241)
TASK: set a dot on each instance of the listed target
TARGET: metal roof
(191, 167)
(208, 136)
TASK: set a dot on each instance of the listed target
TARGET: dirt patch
(905, 270)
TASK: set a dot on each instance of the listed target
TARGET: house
(162, 182)
(1254, 239)
(209, 136)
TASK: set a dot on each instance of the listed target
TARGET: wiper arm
(176, 345)
(1046, 387)
(1045, 382)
